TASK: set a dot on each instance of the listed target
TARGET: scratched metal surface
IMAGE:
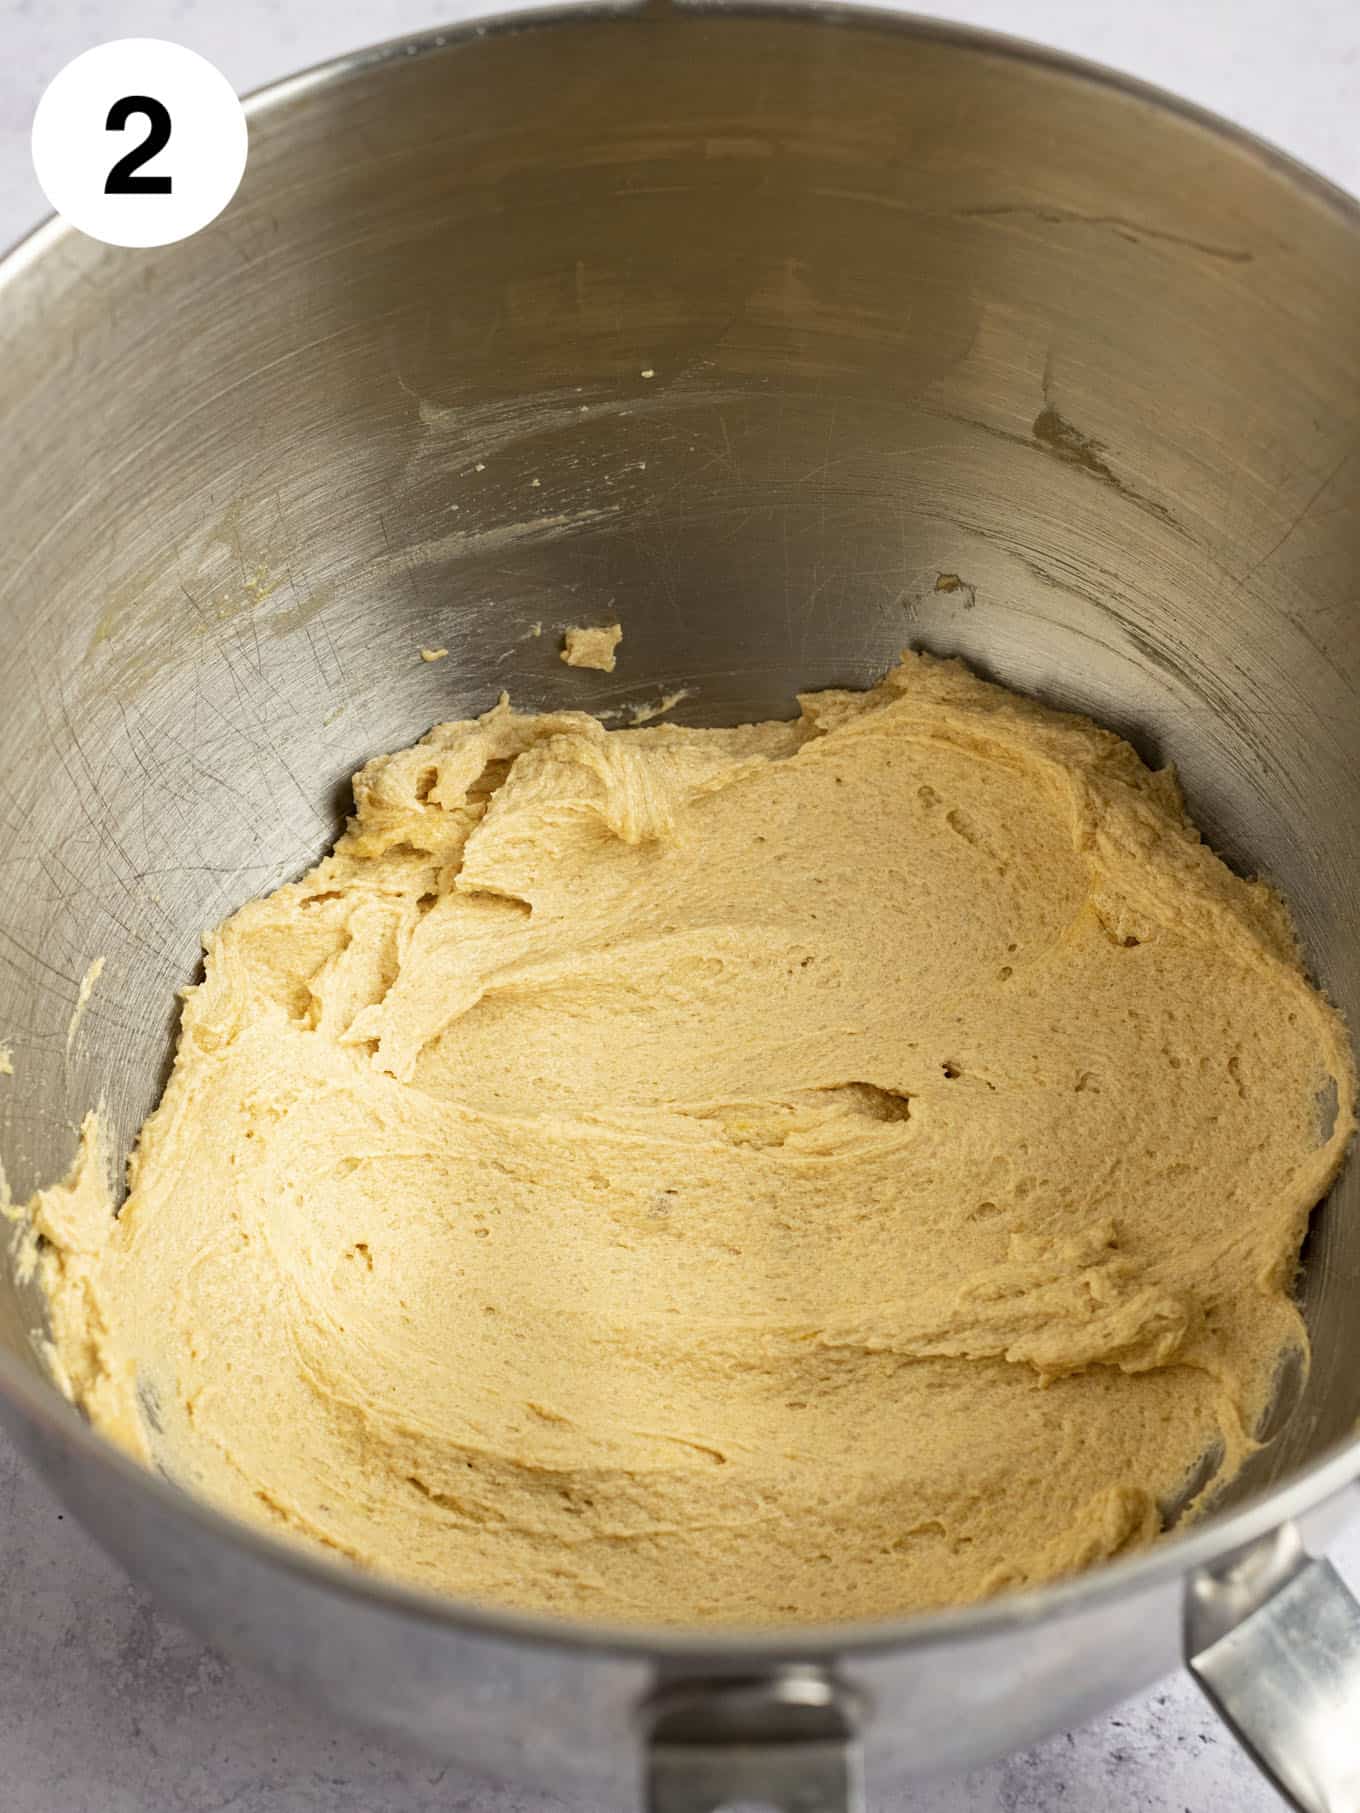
(788, 348)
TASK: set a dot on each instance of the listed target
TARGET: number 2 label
(139, 142)
(122, 179)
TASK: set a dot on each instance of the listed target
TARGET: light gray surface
(102, 1704)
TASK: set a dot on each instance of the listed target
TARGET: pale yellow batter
(587, 647)
(795, 1172)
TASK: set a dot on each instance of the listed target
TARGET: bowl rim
(58, 1422)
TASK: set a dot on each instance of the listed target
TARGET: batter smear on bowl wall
(803, 1171)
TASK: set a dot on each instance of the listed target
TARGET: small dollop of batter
(583, 647)
(805, 1171)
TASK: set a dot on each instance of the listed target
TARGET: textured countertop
(106, 1707)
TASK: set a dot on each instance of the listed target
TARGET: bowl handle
(788, 1740)
(1273, 1638)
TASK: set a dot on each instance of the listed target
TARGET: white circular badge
(139, 142)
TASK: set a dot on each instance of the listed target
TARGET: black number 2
(121, 180)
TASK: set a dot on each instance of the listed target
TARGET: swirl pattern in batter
(812, 1170)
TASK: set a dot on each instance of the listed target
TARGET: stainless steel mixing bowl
(791, 338)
